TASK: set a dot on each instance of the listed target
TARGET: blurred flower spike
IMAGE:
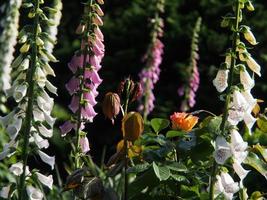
(132, 126)
(183, 121)
(111, 105)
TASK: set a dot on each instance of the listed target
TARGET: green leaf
(254, 161)
(138, 168)
(262, 151)
(159, 124)
(256, 196)
(262, 123)
(162, 172)
(175, 166)
(146, 180)
(178, 177)
(172, 134)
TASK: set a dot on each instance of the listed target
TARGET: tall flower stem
(228, 90)
(86, 52)
(29, 110)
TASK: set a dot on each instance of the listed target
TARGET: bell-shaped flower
(84, 144)
(73, 85)
(14, 127)
(238, 146)
(19, 92)
(245, 79)
(6, 149)
(44, 131)
(4, 192)
(249, 120)
(226, 185)
(66, 128)
(48, 70)
(221, 80)
(40, 77)
(50, 160)
(17, 169)
(50, 87)
(46, 180)
(251, 101)
(45, 103)
(40, 142)
(249, 36)
(240, 171)
(34, 193)
(253, 65)
(238, 107)
(222, 150)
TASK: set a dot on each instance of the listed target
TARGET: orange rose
(183, 121)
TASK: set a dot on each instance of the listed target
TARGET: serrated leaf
(254, 161)
(172, 134)
(162, 172)
(158, 124)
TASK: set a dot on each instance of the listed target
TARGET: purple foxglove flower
(73, 85)
(66, 128)
(84, 144)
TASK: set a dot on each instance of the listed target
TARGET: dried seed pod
(111, 105)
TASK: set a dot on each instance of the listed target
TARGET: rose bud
(137, 92)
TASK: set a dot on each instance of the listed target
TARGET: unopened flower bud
(111, 105)
(250, 37)
(250, 6)
(97, 20)
(137, 92)
(98, 10)
(132, 126)
(125, 88)
(225, 23)
(80, 29)
(31, 14)
(39, 41)
(25, 48)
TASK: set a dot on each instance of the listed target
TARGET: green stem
(30, 94)
(228, 90)
(81, 88)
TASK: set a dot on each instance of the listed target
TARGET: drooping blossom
(84, 143)
(183, 121)
(226, 185)
(221, 80)
(189, 89)
(222, 150)
(149, 75)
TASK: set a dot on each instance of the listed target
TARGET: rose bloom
(183, 121)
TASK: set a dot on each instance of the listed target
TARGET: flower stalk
(29, 110)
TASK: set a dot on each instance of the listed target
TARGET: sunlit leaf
(254, 161)
(162, 172)
(158, 124)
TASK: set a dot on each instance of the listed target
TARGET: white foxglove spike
(40, 142)
(245, 79)
(221, 80)
(50, 160)
(38, 115)
(250, 100)
(48, 133)
(230, 187)
(48, 70)
(46, 180)
(40, 77)
(45, 103)
(34, 193)
(222, 150)
(253, 65)
(19, 92)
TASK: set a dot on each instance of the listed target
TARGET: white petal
(51, 88)
(6, 150)
(45, 103)
(228, 183)
(6, 120)
(246, 80)
(45, 131)
(239, 102)
(14, 128)
(50, 160)
(251, 101)
(16, 169)
(40, 142)
(5, 191)
(40, 77)
(240, 156)
(48, 70)
(253, 65)
(249, 120)
(241, 172)
(50, 120)
(19, 92)
(237, 142)
(34, 193)
(222, 150)
(221, 80)
(46, 180)
(38, 115)
(250, 37)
